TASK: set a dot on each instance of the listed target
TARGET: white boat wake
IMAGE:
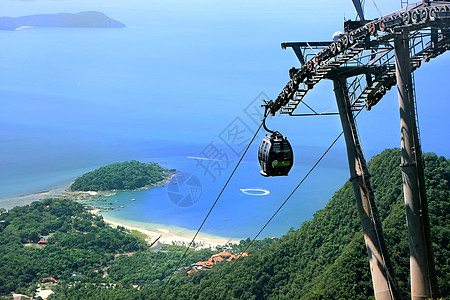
(212, 159)
(255, 192)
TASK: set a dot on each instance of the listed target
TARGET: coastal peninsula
(55, 245)
(129, 175)
(87, 19)
(105, 181)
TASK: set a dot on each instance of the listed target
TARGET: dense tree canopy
(77, 241)
(324, 259)
(128, 175)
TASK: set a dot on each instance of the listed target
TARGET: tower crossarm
(367, 50)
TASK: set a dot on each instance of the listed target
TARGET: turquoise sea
(180, 81)
(244, 206)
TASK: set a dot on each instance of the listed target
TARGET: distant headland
(87, 19)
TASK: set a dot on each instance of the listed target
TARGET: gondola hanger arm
(267, 106)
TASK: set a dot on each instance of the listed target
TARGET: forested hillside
(326, 258)
(70, 240)
(121, 176)
(59, 239)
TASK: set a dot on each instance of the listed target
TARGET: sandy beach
(173, 235)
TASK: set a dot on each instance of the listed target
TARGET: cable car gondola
(275, 155)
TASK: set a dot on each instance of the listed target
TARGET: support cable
(210, 210)
(315, 112)
(376, 6)
(281, 206)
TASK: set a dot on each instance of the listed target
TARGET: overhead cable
(209, 212)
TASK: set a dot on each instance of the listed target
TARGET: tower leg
(384, 284)
(423, 276)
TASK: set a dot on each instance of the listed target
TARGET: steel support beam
(424, 283)
(384, 284)
(359, 9)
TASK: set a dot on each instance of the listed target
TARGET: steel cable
(281, 206)
(209, 212)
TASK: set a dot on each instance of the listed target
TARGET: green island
(324, 259)
(129, 175)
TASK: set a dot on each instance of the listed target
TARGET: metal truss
(365, 52)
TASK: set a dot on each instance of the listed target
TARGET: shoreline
(170, 235)
(26, 199)
(163, 234)
(63, 191)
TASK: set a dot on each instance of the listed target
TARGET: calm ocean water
(76, 99)
(240, 212)
(173, 85)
